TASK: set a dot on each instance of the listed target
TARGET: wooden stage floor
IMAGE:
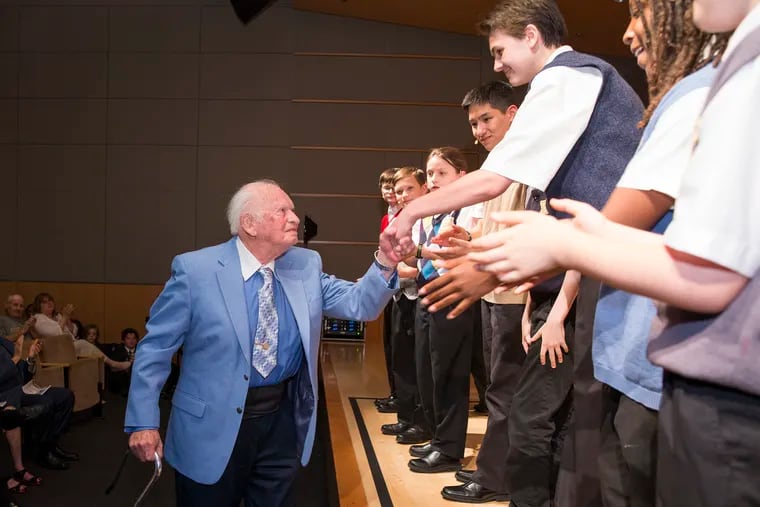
(371, 468)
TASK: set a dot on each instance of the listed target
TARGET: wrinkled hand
(524, 251)
(18, 346)
(463, 285)
(29, 324)
(145, 443)
(35, 349)
(398, 235)
(453, 231)
(552, 336)
(387, 256)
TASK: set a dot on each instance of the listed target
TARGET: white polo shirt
(662, 160)
(717, 214)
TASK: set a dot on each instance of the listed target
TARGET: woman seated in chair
(51, 323)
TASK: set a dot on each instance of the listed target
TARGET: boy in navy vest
(573, 136)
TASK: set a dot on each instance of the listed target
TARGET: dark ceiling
(595, 26)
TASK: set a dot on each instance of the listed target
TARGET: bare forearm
(636, 208)
(566, 297)
(651, 269)
(475, 187)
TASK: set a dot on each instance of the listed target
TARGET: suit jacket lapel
(231, 284)
(291, 280)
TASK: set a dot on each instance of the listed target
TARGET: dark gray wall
(125, 125)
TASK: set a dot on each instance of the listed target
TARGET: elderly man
(248, 315)
(13, 321)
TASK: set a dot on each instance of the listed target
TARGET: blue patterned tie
(264, 357)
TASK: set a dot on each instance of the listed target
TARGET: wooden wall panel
(127, 306)
(417, 80)
(379, 126)
(341, 218)
(61, 213)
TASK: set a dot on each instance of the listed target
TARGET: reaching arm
(654, 270)
(472, 188)
(637, 208)
(629, 259)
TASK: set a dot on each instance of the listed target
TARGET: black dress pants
(443, 349)
(260, 471)
(404, 364)
(578, 481)
(539, 416)
(628, 454)
(708, 445)
(54, 420)
(480, 374)
(503, 323)
(387, 345)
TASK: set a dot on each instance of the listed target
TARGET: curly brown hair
(676, 47)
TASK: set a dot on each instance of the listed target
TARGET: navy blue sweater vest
(599, 157)
(597, 161)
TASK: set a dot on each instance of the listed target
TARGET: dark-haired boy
(490, 110)
(118, 381)
(572, 137)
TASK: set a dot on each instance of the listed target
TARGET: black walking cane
(156, 474)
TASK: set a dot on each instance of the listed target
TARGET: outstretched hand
(463, 285)
(453, 231)
(398, 235)
(531, 248)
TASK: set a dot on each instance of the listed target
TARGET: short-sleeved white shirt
(662, 159)
(469, 216)
(717, 213)
(551, 119)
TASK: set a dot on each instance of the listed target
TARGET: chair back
(58, 349)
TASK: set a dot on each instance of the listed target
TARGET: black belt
(264, 400)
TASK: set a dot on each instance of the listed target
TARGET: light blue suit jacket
(203, 309)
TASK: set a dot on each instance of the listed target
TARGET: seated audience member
(49, 324)
(50, 411)
(92, 335)
(14, 319)
(118, 381)
(10, 419)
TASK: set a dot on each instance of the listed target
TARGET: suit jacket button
(239, 410)
(245, 377)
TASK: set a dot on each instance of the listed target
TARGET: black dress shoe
(52, 462)
(382, 401)
(480, 408)
(472, 492)
(420, 451)
(394, 429)
(464, 475)
(390, 407)
(413, 435)
(65, 455)
(433, 463)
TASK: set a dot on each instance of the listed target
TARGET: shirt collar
(557, 52)
(249, 264)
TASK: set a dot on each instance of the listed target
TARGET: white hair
(243, 200)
